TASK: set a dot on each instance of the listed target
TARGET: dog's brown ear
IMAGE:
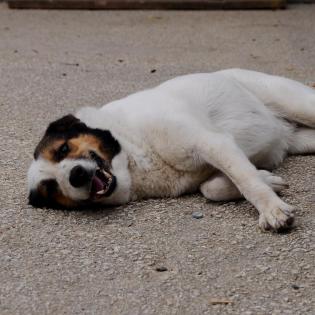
(68, 122)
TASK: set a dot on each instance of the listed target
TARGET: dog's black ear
(36, 200)
(64, 124)
(110, 144)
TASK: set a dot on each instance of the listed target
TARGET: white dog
(217, 133)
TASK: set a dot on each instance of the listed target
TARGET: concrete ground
(106, 261)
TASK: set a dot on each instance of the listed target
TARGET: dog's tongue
(97, 184)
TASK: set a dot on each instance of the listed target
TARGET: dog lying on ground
(220, 133)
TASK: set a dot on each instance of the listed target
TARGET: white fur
(42, 169)
(180, 134)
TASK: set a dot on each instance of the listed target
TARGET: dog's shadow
(92, 212)
(100, 212)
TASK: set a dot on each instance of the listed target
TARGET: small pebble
(161, 269)
(197, 215)
(153, 70)
(295, 286)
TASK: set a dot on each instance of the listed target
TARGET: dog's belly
(159, 179)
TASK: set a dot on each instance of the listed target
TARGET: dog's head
(72, 165)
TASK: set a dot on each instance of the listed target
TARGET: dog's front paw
(278, 218)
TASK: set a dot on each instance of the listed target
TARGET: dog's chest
(151, 177)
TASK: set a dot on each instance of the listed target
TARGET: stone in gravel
(295, 286)
(215, 301)
(161, 269)
(197, 215)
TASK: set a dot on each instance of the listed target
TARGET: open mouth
(103, 184)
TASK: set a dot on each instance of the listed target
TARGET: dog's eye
(63, 151)
(93, 155)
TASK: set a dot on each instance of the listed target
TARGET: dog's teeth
(101, 192)
(106, 174)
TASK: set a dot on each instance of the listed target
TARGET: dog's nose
(79, 176)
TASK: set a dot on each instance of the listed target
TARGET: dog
(220, 133)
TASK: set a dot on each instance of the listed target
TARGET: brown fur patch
(83, 144)
(79, 147)
(48, 152)
(49, 194)
(42, 190)
(57, 196)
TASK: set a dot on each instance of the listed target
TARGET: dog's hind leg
(288, 98)
(302, 141)
(221, 188)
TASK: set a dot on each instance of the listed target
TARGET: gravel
(104, 261)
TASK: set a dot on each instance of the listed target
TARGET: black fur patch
(37, 199)
(69, 127)
(65, 124)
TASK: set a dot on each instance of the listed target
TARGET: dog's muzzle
(101, 183)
